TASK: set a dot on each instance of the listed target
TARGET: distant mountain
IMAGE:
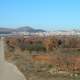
(6, 30)
(26, 29)
(21, 29)
(29, 29)
(40, 30)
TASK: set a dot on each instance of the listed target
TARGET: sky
(40, 14)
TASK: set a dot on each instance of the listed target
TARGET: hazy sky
(44, 14)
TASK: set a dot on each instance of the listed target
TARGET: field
(48, 58)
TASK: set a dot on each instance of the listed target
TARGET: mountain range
(20, 29)
(30, 29)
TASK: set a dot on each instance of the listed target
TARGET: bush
(35, 47)
(39, 47)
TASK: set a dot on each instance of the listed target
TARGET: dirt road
(8, 71)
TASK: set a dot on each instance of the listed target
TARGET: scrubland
(48, 58)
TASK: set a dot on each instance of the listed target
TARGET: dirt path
(8, 71)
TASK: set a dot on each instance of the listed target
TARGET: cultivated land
(48, 58)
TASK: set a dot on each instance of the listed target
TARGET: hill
(20, 29)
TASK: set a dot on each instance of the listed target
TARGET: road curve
(8, 71)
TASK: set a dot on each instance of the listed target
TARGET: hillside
(20, 29)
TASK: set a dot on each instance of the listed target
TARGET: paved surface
(8, 71)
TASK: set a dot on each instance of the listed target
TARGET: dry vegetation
(48, 58)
